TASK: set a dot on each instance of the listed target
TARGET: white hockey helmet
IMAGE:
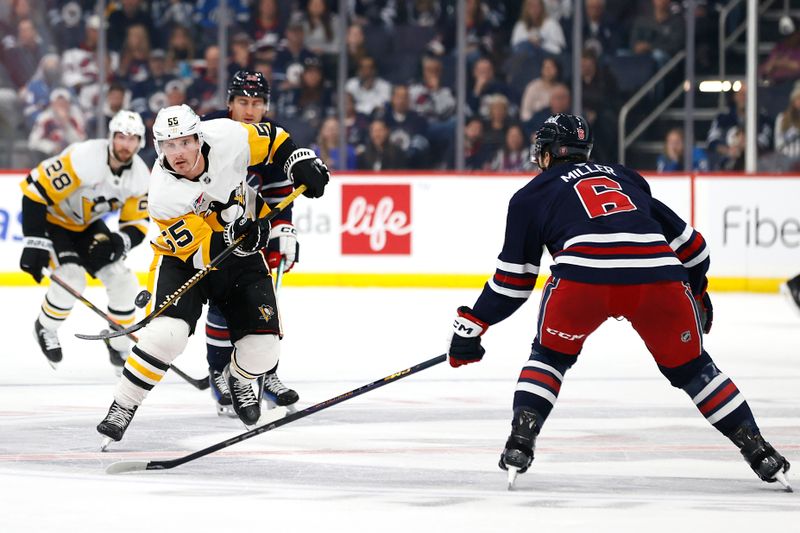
(176, 121)
(127, 123)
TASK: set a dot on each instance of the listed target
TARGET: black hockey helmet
(563, 136)
(249, 83)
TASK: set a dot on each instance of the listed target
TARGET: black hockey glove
(706, 311)
(305, 168)
(35, 256)
(256, 235)
(465, 345)
(106, 248)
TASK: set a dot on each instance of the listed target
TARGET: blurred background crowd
(400, 104)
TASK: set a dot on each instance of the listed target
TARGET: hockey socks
(540, 381)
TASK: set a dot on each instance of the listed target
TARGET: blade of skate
(513, 471)
(105, 443)
(780, 477)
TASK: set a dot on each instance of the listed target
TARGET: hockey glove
(283, 243)
(106, 248)
(256, 235)
(465, 345)
(35, 256)
(706, 311)
(303, 167)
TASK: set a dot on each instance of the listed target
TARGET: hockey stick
(194, 280)
(121, 467)
(201, 384)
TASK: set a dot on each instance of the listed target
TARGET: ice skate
(767, 463)
(518, 453)
(116, 357)
(48, 343)
(221, 393)
(244, 399)
(276, 394)
(791, 291)
(115, 423)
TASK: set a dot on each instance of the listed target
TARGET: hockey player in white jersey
(201, 202)
(65, 198)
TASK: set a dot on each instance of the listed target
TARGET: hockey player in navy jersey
(248, 102)
(617, 252)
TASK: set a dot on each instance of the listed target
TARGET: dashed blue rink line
(622, 450)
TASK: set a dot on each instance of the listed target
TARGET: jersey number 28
(602, 196)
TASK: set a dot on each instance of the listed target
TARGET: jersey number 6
(602, 196)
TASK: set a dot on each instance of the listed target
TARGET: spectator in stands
(369, 91)
(289, 60)
(240, 54)
(422, 13)
(135, 55)
(484, 83)
(558, 10)
(79, 64)
(312, 101)
(327, 146)
(58, 126)
(514, 155)
(131, 13)
(436, 104)
(660, 34)
(537, 93)
(321, 28)
(180, 52)
(373, 13)
(24, 10)
(175, 92)
(35, 95)
(671, 160)
(783, 63)
(66, 25)
(559, 103)
(598, 32)
(22, 55)
(357, 124)
(726, 139)
(156, 83)
(536, 30)
(356, 49)
(202, 94)
(408, 130)
(166, 14)
(117, 99)
(494, 131)
(206, 14)
(379, 153)
(476, 156)
(600, 105)
(267, 25)
(787, 131)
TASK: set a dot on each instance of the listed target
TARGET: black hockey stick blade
(199, 383)
(194, 280)
(139, 466)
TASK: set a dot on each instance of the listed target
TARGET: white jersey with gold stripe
(188, 212)
(79, 187)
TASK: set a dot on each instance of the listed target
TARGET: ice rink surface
(622, 451)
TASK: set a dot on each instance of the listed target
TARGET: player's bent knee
(120, 282)
(164, 338)
(255, 354)
(699, 368)
(73, 275)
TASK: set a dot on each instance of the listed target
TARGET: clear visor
(179, 145)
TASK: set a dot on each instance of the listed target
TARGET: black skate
(116, 357)
(768, 464)
(791, 289)
(518, 453)
(115, 423)
(221, 393)
(276, 393)
(48, 342)
(244, 399)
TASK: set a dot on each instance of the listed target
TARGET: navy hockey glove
(106, 248)
(256, 235)
(465, 345)
(706, 311)
(305, 168)
(35, 256)
(283, 243)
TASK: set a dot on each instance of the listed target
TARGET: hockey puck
(142, 298)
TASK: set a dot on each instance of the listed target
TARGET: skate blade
(52, 364)
(780, 477)
(106, 442)
(227, 412)
(513, 471)
(787, 294)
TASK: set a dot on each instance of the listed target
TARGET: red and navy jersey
(267, 178)
(601, 225)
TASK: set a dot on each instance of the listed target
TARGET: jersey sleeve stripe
(512, 293)
(504, 279)
(681, 239)
(696, 244)
(699, 259)
(516, 268)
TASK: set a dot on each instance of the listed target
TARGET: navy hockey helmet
(563, 136)
(249, 83)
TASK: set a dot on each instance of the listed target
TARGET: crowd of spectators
(400, 94)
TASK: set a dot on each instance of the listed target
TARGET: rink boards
(401, 229)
